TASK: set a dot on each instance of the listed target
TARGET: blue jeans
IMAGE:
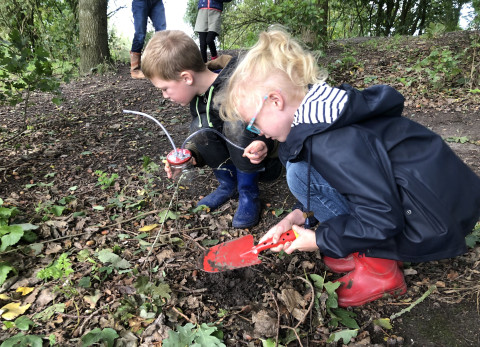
(325, 201)
(141, 10)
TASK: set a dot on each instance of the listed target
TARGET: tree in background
(37, 47)
(316, 22)
(93, 34)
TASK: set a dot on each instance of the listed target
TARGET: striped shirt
(322, 104)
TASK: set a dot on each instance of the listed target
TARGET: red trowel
(239, 253)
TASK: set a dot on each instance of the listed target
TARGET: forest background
(47, 44)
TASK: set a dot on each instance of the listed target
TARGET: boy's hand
(168, 169)
(256, 151)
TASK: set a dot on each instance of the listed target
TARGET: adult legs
(157, 15)
(140, 17)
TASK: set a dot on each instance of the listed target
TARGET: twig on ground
(415, 303)
(184, 316)
(278, 318)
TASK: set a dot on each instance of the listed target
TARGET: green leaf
(23, 323)
(318, 281)
(57, 210)
(107, 335)
(11, 235)
(204, 337)
(107, 256)
(84, 282)
(184, 336)
(21, 340)
(346, 318)
(345, 335)
(167, 214)
(5, 268)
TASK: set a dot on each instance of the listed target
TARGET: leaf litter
(142, 286)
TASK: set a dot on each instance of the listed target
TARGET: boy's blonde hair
(275, 62)
(170, 52)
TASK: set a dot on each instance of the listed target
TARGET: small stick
(415, 303)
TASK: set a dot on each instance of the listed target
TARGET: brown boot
(135, 71)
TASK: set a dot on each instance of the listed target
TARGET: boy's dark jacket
(411, 198)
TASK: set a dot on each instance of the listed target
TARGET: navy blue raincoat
(411, 198)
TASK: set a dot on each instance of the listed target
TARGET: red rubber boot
(371, 279)
(340, 265)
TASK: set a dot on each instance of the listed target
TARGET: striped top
(322, 104)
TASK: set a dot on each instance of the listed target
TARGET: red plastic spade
(239, 253)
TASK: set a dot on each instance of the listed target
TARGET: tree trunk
(93, 34)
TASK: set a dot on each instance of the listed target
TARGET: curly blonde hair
(170, 52)
(275, 62)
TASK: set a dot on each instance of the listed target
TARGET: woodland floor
(64, 146)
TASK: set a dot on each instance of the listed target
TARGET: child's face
(179, 91)
(268, 119)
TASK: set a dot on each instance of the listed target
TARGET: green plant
(473, 238)
(327, 309)
(148, 301)
(202, 335)
(435, 30)
(104, 180)
(442, 67)
(457, 139)
(60, 269)
(24, 69)
(21, 323)
(11, 234)
(106, 335)
(48, 208)
(23, 340)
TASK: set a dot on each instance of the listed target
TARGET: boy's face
(180, 92)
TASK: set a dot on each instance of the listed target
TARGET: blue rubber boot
(226, 176)
(248, 211)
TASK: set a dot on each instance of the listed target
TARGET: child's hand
(256, 152)
(168, 169)
(305, 241)
(294, 218)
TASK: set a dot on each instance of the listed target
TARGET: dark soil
(65, 145)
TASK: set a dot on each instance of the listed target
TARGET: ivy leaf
(23, 340)
(107, 335)
(23, 323)
(57, 210)
(106, 256)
